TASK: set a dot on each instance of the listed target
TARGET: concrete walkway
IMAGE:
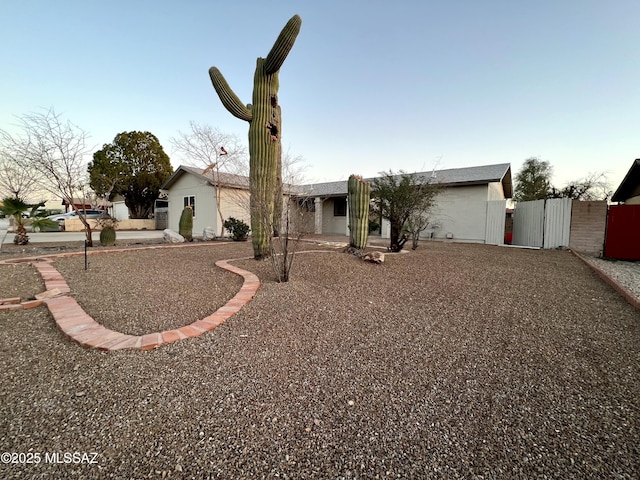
(62, 237)
(81, 328)
(4, 225)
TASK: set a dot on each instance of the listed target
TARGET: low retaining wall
(76, 225)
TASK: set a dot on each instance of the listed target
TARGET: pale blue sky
(369, 85)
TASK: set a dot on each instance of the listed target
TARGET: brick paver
(81, 328)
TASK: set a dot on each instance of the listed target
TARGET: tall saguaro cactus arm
(283, 45)
(265, 133)
(229, 99)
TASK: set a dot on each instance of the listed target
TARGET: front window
(190, 201)
(308, 205)
(339, 207)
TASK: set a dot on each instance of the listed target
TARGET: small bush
(237, 228)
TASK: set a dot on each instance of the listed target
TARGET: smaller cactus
(108, 236)
(186, 224)
(359, 192)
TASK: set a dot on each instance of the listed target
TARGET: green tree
(135, 166)
(533, 181)
(399, 196)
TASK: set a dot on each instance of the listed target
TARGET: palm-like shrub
(15, 207)
(40, 224)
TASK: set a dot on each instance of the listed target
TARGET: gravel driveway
(452, 361)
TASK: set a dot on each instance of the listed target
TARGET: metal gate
(542, 223)
(162, 218)
(494, 230)
(623, 232)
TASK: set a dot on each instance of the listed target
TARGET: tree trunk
(87, 230)
(394, 241)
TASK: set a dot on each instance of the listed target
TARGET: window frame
(339, 207)
(190, 200)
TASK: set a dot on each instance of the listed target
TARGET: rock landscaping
(451, 361)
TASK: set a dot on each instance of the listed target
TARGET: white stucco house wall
(470, 208)
(472, 200)
(189, 186)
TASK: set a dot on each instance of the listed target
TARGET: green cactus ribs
(265, 134)
(359, 193)
(185, 226)
(108, 236)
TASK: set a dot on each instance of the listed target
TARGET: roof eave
(628, 184)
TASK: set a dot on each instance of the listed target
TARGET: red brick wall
(588, 224)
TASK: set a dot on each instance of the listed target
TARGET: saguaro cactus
(265, 131)
(185, 225)
(359, 193)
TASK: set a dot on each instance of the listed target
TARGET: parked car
(61, 216)
(91, 214)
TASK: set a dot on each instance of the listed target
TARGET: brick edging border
(617, 286)
(17, 304)
(81, 328)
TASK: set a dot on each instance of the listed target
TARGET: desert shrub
(237, 228)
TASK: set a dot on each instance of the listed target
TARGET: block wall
(588, 225)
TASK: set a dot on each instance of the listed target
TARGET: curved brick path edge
(81, 328)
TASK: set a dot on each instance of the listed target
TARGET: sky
(369, 86)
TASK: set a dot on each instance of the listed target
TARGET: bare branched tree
(291, 227)
(17, 180)
(55, 151)
(595, 186)
(398, 196)
(417, 223)
(214, 151)
(283, 247)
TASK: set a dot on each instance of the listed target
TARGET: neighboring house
(629, 190)
(189, 186)
(470, 208)
(78, 204)
(119, 210)
(86, 204)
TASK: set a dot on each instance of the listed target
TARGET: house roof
(630, 186)
(226, 179)
(452, 177)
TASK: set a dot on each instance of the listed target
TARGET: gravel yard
(452, 361)
(625, 273)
